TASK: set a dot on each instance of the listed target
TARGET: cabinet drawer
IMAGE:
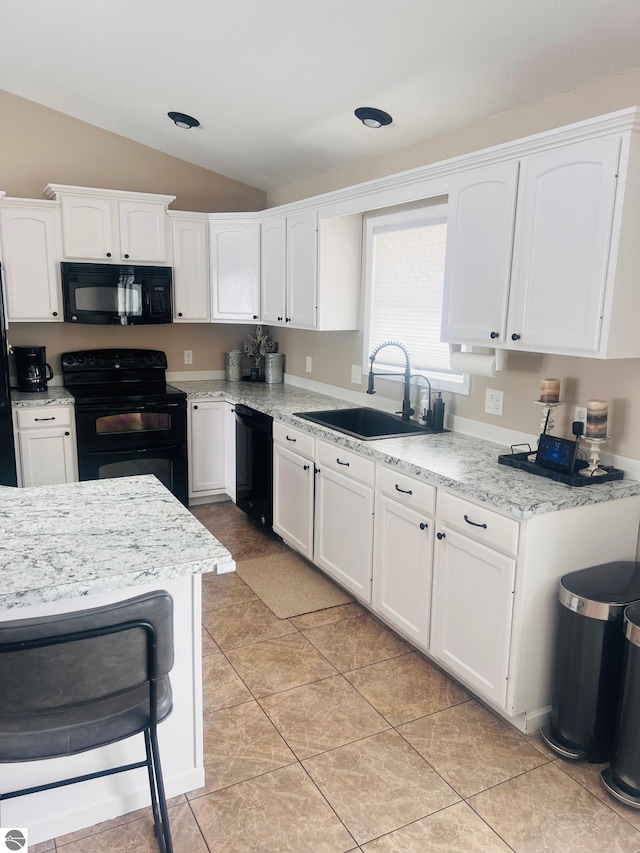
(401, 487)
(479, 523)
(295, 439)
(53, 416)
(346, 462)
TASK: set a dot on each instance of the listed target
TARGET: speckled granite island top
(55, 395)
(71, 540)
(456, 461)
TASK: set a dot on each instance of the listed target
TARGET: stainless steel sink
(365, 424)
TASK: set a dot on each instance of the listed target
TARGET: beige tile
(588, 775)
(352, 643)
(217, 514)
(471, 748)
(113, 823)
(222, 590)
(535, 739)
(248, 543)
(545, 810)
(325, 617)
(280, 811)
(138, 836)
(378, 784)
(221, 685)
(240, 743)
(280, 664)
(242, 624)
(209, 646)
(406, 687)
(322, 715)
(456, 829)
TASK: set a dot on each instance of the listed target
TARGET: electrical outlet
(308, 364)
(493, 401)
(580, 414)
(188, 356)
(356, 374)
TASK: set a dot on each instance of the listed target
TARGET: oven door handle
(122, 407)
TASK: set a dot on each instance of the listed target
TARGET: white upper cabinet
(235, 270)
(553, 270)
(112, 226)
(480, 220)
(274, 271)
(561, 247)
(30, 238)
(302, 269)
(190, 240)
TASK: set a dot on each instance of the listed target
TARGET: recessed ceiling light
(371, 117)
(183, 120)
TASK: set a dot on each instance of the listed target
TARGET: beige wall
(39, 146)
(618, 381)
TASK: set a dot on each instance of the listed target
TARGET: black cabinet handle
(108, 254)
(287, 319)
(474, 523)
(67, 433)
(440, 535)
(291, 439)
(495, 335)
(255, 316)
(306, 467)
(126, 256)
(195, 407)
(55, 313)
(404, 491)
(342, 463)
(515, 337)
(179, 313)
(45, 419)
(280, 319)
(423, 526)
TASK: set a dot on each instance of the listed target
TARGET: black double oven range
(128, 420)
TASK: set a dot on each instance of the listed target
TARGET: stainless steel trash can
(622, 778)
(588, 670)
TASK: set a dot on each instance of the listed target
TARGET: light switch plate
(493, 401)
(308, 364)
(188, 356)
(356, 374)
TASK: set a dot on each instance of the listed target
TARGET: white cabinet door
(88, 229)
(235, 271)
(206, 447)
(143, 231)
(30, 257)
(402, 567)
(343, 533)
(230, 450)
(46, 457)
(273, 271)
(480, 222)
(293, 499)
(302, 269)
(191, 295)
(473, 590)
(561, 250)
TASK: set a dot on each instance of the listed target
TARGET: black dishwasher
(254, 464)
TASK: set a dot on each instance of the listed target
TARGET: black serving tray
(520, 460)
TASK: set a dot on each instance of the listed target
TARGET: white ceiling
(274, 82)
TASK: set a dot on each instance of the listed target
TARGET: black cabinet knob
(179, 313)
(108, 254)
(280, 319)
(195, 407)
(67, 433)
(495, 335)
(55, 313)
(287, 319)
(423, 526)
(515, 337)
(126, 256)
(306, 467)
(440, 535)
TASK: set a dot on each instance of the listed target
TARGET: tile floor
(326, 733)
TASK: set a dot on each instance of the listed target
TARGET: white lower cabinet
(206, 448)
(403, 553)
(473, 590)
(293, 488)
(343, 535)
(46, 451)
(230, 450)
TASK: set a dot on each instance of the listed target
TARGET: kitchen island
(81, 545)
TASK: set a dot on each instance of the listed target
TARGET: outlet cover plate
(580, 414)
(356, 374)
(493, 401)
(308, 363)
(188, 356)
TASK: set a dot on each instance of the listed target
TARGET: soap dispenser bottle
(437, 417)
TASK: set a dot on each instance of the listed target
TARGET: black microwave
(116, 294)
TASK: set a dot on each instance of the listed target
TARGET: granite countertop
(55, 395)
(59, 542)
(459, 462)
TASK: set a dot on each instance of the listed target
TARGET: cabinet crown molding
(55, 190)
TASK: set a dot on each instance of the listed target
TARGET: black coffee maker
(32, 368)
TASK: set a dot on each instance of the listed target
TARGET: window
(404, 284)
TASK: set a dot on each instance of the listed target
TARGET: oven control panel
(112, 359)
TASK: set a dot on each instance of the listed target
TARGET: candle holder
(594, 456)
(546, 421)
